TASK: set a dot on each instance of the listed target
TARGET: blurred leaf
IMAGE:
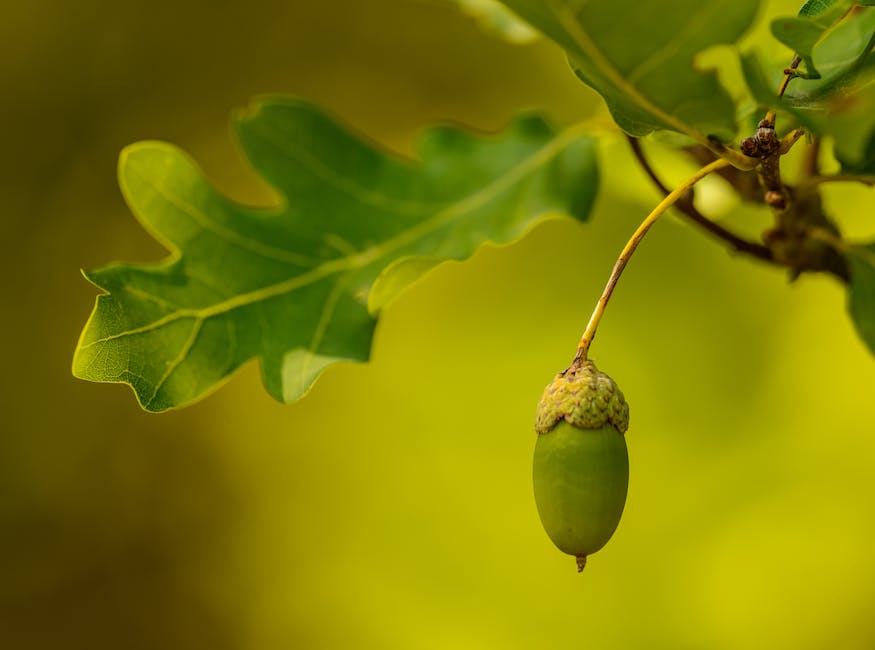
(801, 33)
(850, 119)
(842, 103)
(640, 57)
(495, 18)
(290, 284)
(841, 56)
(818, 7)
(758, 83)
(861, 294)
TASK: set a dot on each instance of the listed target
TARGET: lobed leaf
(494, 18)
(841, 104)
(292, 285)
(640, 56)
(801, 33)
(861, 292)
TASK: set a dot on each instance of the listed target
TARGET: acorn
(581, 465)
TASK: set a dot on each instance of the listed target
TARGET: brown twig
(686, 206)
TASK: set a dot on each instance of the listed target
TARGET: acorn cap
(584, 397)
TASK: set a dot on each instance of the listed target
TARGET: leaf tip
(243, 114)
(259, 105)
(130, 153)
(93, 278)
(141, 155)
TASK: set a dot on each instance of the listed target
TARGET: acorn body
(580, 478)
(581, 466)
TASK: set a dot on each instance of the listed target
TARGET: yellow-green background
(392, 508)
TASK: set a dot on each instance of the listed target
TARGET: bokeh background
(392, 507)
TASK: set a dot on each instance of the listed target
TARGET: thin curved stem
(825, 236)
(841, 246)
(631, 245)
(812, 181)
(789, 73)
(810, 167)
(686, 207)
(789, 140)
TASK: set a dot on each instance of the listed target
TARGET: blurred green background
(392, 507)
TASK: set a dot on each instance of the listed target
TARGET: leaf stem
(825, 236)
(686, 206)
(841, 247)
(813, 181)
(673, 197)
(810, 167)
(789, 73)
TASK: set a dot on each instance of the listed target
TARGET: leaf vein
(450, 213)
(325, 173)
(221, 231)
(319, 331)
(180, 357)
(693, 23)
(145, 295)
(588, 46)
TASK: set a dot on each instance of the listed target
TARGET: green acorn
(581, 466)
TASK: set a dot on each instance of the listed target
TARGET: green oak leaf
(847, 116)
(640, 56)
(861, 292)
(850, 120)
(494, 18)
(841, 54)
(818, 7)
(291, 285)
(841, 104)
(801, 33)
(839, 46)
